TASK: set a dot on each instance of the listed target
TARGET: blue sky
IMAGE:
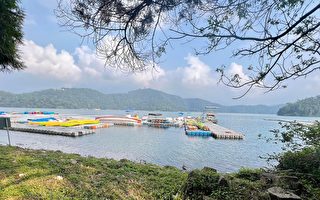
(57, 58)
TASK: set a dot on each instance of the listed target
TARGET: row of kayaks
(109, 119)
(155, 120)
(67, 123)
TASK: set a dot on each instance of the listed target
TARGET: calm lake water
(165, 146)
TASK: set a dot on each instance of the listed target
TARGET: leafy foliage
(306, 161)
(249, 174)
(306, 107)
(296, 136)
(11, 19)
(200, 183)
(301, 144)
(282, 35)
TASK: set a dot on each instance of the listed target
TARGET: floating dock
(220, 132)
(63, 131)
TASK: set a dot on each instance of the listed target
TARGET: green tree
(281, 36)
(296, 136)
(301, 145)
(11, 20)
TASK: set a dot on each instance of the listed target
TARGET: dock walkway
(69, 131)
(220, 132)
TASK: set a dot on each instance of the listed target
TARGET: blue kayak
(43, 119)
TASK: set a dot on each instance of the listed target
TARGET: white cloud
(237, 69)
(47, 61)
(88, 60)
(96, 67)
(84, 68)
(197, 73)
(149, 76)
(92, 72)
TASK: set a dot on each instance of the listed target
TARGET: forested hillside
(141, 99)
(307, 107)
(73, 98)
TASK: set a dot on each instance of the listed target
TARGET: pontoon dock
(71, 132)
(220, 132)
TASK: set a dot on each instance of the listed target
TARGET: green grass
(32, 174)
(37, 174)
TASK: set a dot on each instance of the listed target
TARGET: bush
(305, 161)
(200, 183)
(249, 174)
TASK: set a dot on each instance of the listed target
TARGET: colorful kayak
(75, 122)
(43, 119)
(118, 119)
(68, 123)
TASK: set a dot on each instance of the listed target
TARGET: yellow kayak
(75, 122)
(46, 123)
(68, 123)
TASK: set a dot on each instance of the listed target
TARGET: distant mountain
(309, 107)
(141, 99)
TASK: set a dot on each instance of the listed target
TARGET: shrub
(249, 174)
(200, 183)
(306, 161)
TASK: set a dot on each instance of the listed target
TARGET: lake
(164, 146)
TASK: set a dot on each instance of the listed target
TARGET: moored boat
(120, 120)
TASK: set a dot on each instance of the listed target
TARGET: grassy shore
(34, 174)
(37, 174)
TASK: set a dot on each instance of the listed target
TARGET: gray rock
(278, 193)
(290, 182)
(268, 178)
